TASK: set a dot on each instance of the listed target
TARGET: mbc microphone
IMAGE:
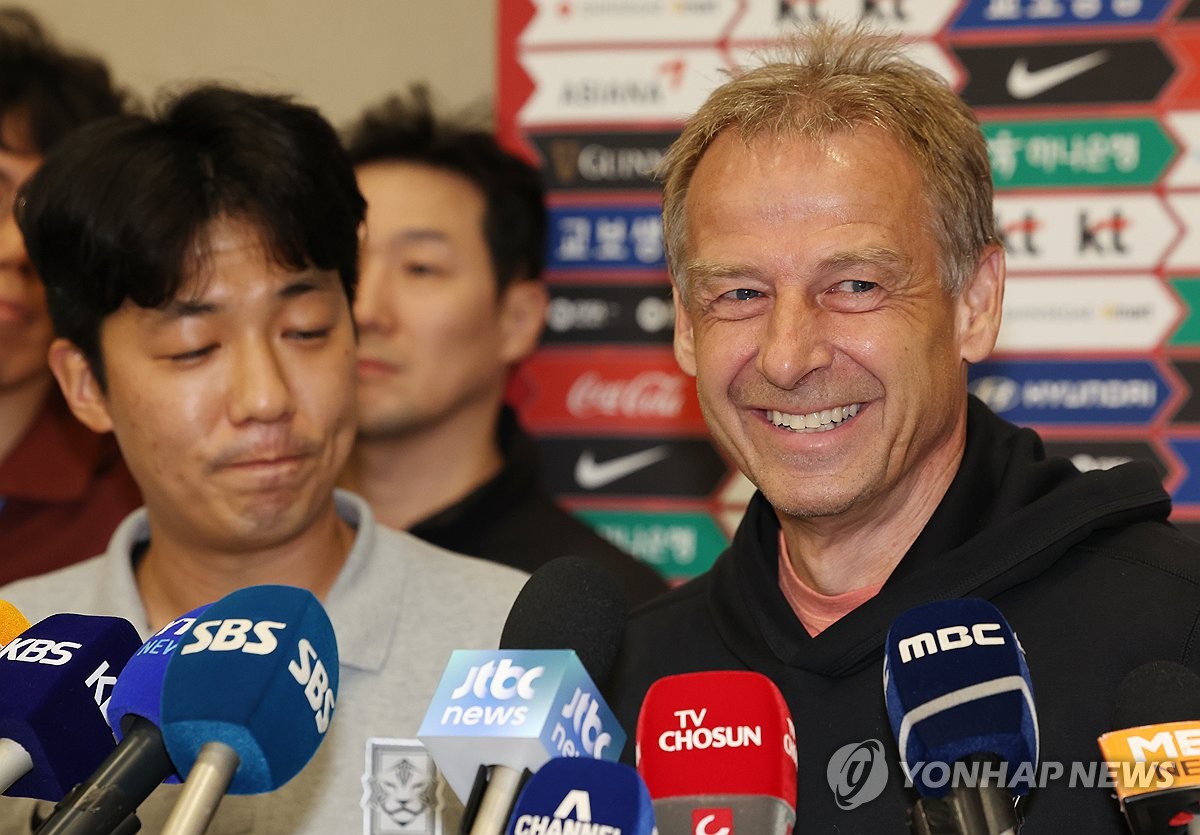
(718, 751)
(498, 715)
(960, 702)
(574, 794)
(1155, 759)
(278, 645)
(55, 681)
(12, 622)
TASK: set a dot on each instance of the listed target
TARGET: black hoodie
(1084, 566)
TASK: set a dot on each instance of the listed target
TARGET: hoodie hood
(1009, 515)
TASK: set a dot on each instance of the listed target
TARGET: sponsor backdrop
(1091, 109)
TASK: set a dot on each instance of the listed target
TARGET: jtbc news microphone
(55, 681)
(498, 715)
(961, 707)
(572, 795)
(1154, 758)
(718, 753)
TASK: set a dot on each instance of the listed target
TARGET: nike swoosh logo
(1024, 83)
(592, 474)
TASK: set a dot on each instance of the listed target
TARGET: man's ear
(79, 386)
(522, 317)
(685, 340)
(980, 306)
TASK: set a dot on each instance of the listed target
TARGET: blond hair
(831, 79)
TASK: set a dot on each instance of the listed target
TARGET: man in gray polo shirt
(200, 267)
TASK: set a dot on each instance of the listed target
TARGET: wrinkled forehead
(224, 240)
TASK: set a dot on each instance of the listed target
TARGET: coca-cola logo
(651, 394)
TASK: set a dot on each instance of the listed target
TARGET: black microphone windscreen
(1157, 692)
(569, 603)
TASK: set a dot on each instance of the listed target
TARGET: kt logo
(1018, 235)
(712, 821)
(1109, 227)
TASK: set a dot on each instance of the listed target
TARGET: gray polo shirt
(399, 607)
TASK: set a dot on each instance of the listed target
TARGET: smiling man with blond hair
(836, 270)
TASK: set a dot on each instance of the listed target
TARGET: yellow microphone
(12, 622)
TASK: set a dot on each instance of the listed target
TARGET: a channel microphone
(1154, 757)
(55, 681)
(12, 622)
(499, 715)
(576, 794)
(961, 706)
(717, 750)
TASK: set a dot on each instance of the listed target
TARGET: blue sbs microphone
(960, 702)
(593, 795)
(278, 644)
(55, 680)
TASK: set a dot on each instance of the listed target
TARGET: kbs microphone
(139, 762)
(596, 795)
(278, 644)
(499, 714)
(12, 622)
(961, 705)
(718, 751)
(55, 681)
(1155, 759)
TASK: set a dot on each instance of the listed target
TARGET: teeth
(821, 421)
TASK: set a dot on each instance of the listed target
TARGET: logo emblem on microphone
(712, 821)
(857, 773)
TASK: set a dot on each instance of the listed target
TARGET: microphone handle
(203, 790)
(498, 799)
(128, 775)
(15, 763)
(760, 814)
(983, 810)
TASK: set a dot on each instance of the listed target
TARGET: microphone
(278, 644)
(498, 714)
(139, 762)
(12, 622)
(55, 681)
(609, 797)
(717, 750)
(1155, 758)
(960, 702)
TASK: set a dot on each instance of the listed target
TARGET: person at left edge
(201, 267)
(63, 488)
